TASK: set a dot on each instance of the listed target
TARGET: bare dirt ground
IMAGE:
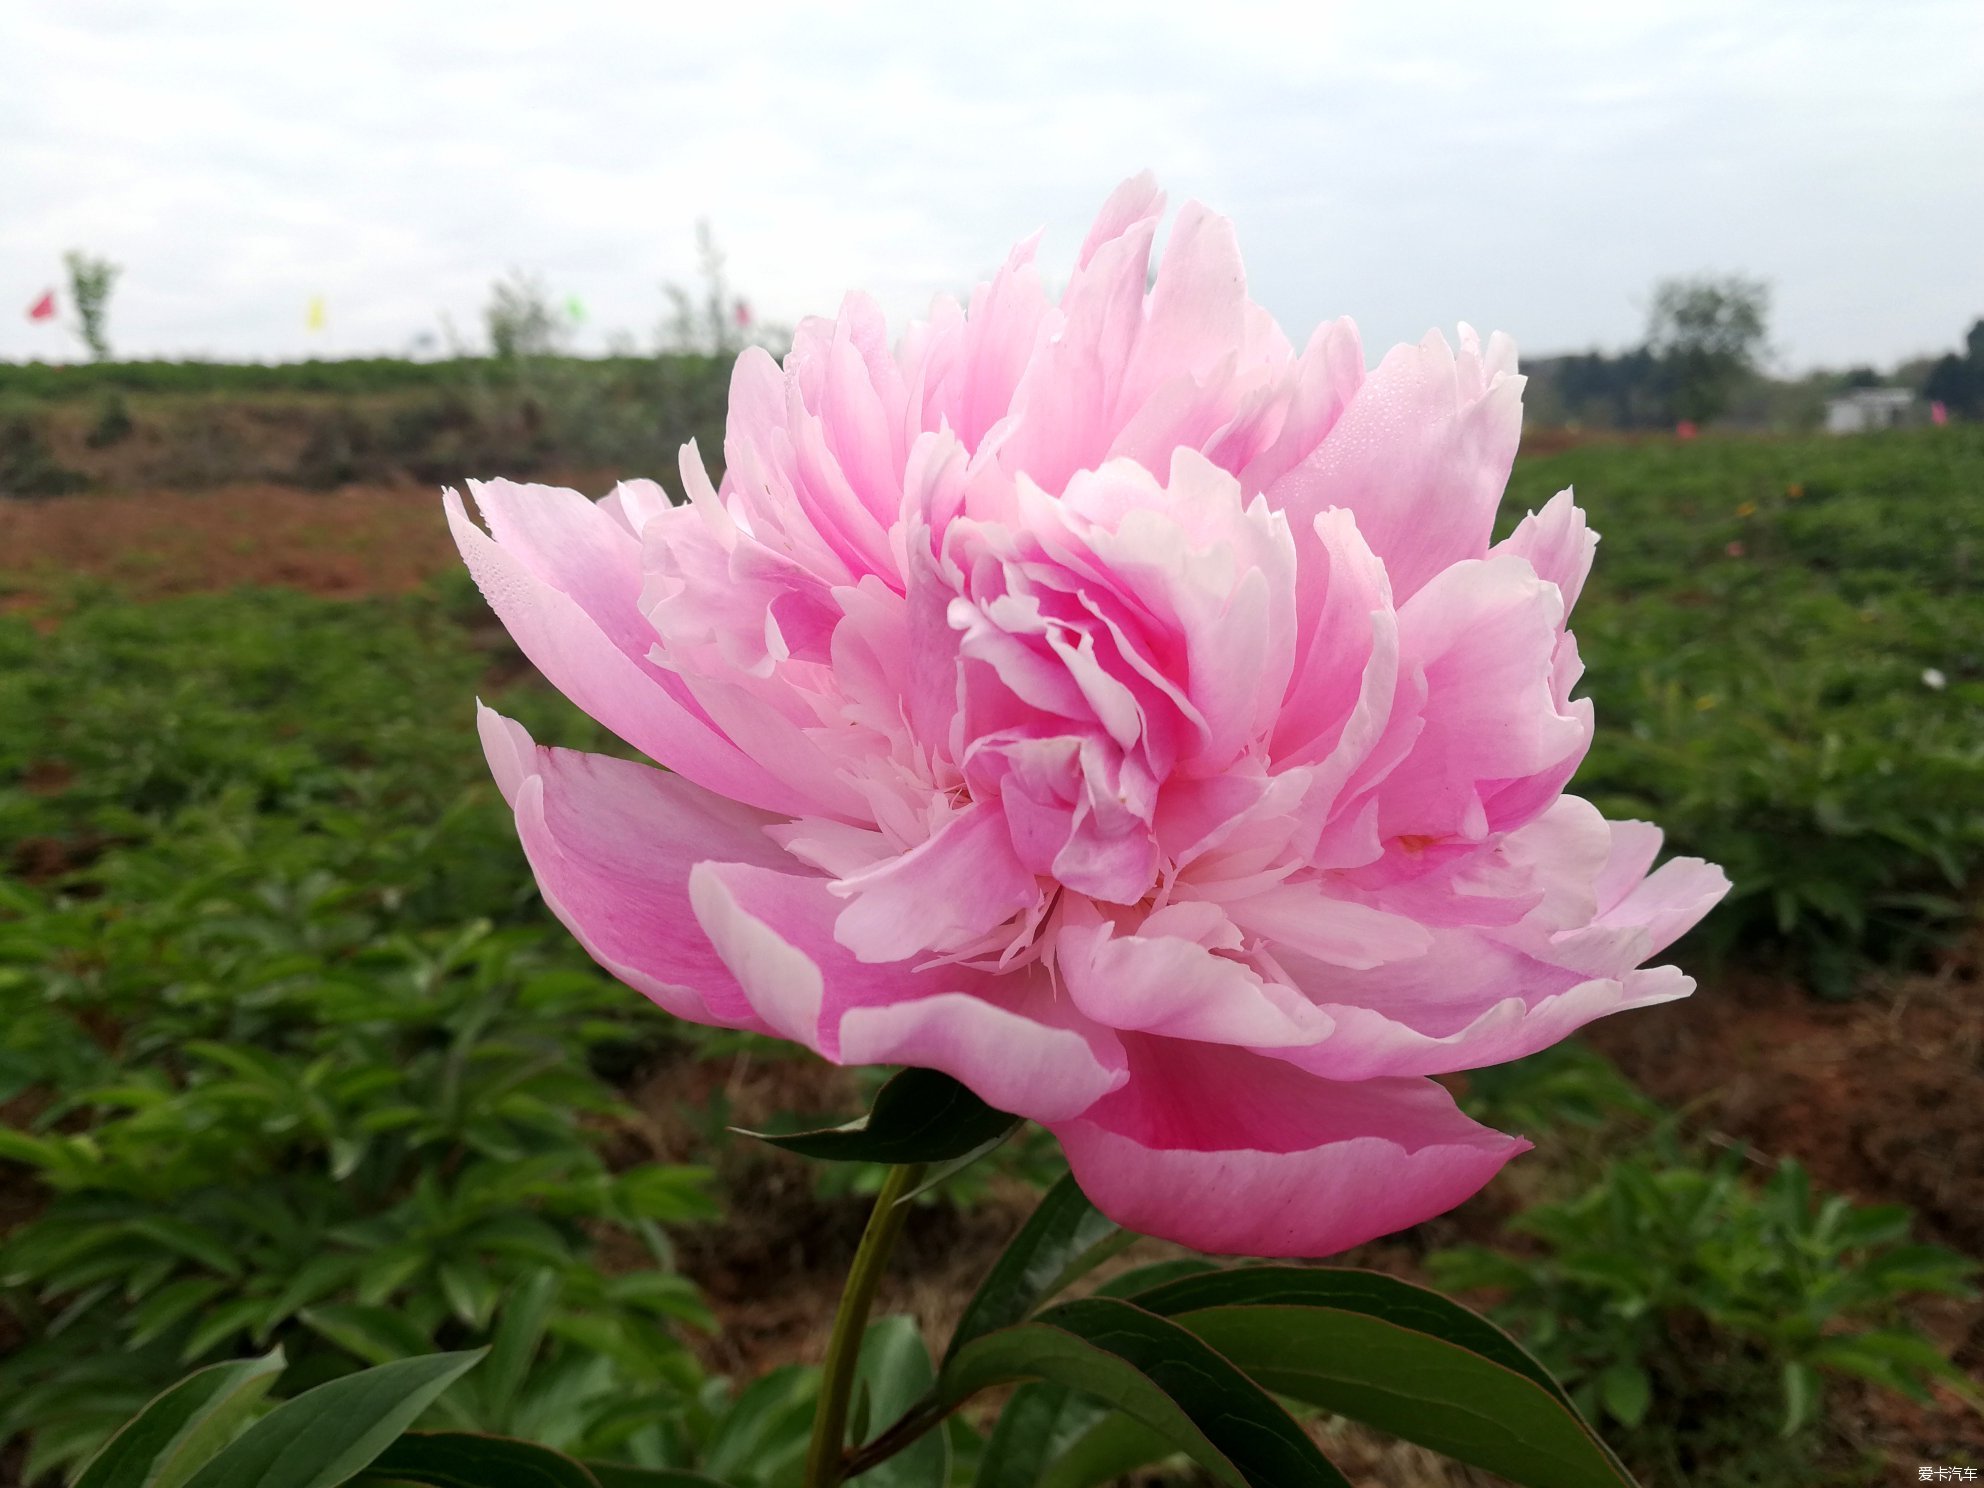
(1882, 1098)
(349, 542)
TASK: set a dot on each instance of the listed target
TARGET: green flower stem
(826, 1458)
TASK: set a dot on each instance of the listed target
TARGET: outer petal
(1236, 1154)
(583, 661)
(1485, 634)
(1556, 542)
(1370, 1045)
(1421, 455)
(612, 844)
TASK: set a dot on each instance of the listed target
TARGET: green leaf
(1398, 1357)
(766, 1428)
(1626, 1391)
(1039, 1424)
(1156, 1274)
(1158, 1373)
(332, 1433)
(1061, 1232)
(616, 1475)
(1802, 1388)
(222, 1324)
(920, 1116)
(1110, 1450)
(896, 1371)
(470, 1292)
(449, 1459)
(189, 1240)
(162, 1445)
(518, 1335)
(378, 1335)
(168, 1306)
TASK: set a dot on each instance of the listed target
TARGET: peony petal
(1420, 460)
(960, 883)
(1003, 1035)
(623, 693)
(1370, 1045)
(612, 844)
(1162, 984)
(1557, 542)
(1236, 1154)
(1021, 1053)
(1484, 634)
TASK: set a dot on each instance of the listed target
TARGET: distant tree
(520, 318)
(90, 282)
(1593, 390)
(1957, 381)
(1708, 334)
(712, 321)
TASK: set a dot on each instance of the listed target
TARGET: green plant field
(1785, 640)
(291, 1054)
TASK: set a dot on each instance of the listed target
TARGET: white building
(1865, 409)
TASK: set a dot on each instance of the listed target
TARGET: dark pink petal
(1238, 1154)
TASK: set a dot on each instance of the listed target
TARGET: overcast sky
(1528, 167)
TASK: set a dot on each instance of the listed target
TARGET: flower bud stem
(826, 1457)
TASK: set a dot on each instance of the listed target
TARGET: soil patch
(348, 543)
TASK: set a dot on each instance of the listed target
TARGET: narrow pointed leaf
(1039, 1424)
(896, 1372)
(1161, 1375)
(519, 1333)
(618, 1475)
(330, 1434)
(164, 1443)
(450, 1459)
(1156, 1274)
(920, 1116)
(1036, 1264)
(939, 1172)
(1399, 1357)
(1107, 1452)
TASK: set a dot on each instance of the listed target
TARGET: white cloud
(1533, 166)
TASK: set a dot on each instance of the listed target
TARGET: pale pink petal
(1556, 542)
(958, 884)
(1134, 979)
(1308, 919)
(622, 692)
(1371, 1045)
(612, 844)
(1001, 1035)
(1484, 635)
(1420, 462)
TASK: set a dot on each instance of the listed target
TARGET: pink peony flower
(1103, 703)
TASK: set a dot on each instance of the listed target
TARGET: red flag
(742, 314)
(1938, 413)
(1685, 429)
(43, 308)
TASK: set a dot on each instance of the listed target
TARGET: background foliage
(291, 1055)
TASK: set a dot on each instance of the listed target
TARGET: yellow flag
(314, 317)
